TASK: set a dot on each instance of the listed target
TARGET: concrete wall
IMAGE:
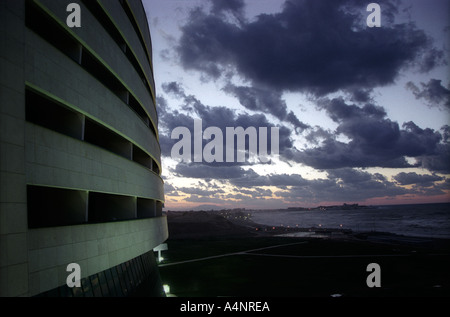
(95, 247)
(53, 159)
(114, 10)
(139, 14)
(63, 78)
(97, 39)
(13, 208)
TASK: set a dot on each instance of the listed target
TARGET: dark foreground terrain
(225, 258)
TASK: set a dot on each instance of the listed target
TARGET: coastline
(211, 224)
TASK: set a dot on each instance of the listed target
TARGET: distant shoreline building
(80, 177)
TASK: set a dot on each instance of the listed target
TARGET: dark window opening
(109, 207)
(106, 139)
(45, 112)
(48, 113)
(134, 104)
(141, 157)
(155, 168)
(102, 74)
(104, 20)
(42, 24)
(158, 208)
(115, 34)
(48, 206)
(146, 208)
(129, 13)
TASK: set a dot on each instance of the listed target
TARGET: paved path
(229, 254)
(249, 252)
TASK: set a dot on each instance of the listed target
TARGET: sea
(419, 220)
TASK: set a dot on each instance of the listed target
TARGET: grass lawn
(406, 270)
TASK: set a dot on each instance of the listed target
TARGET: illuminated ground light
(159, 248)
(167, 290)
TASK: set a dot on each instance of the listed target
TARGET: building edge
(114, 253)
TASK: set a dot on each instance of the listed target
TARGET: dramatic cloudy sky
(363, 113)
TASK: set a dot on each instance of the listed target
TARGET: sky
(362, 113)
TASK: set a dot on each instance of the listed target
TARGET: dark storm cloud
(360, 95)
(220, 116)
(174, 88)
(344, 184)
(374, 140)
(414, 178)
(170, 190)
(339, 111)
(434, 94)
(317, 134)
(257, 192)
(439, 159)
(428, 185)
(445, 185)
(234, 7)
(203, 171)
(311, 46)
(446, 133)
(277, 180)
(267, 101)
(355, 185)
(439, 162)
(168, 120)
(327, 190)
(200, 191)
(205, 199)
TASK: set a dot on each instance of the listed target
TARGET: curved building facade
(80, 156)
